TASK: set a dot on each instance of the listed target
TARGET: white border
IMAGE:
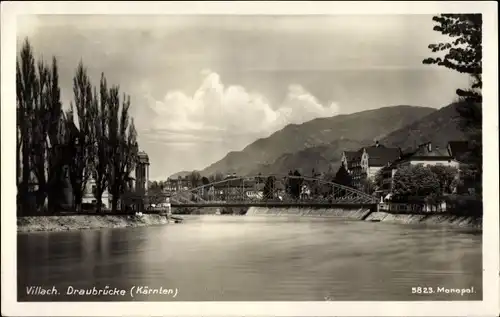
(488, 307)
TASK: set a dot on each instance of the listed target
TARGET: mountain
(438, 127)
(181, 174)
(320, 158)
(360, 126)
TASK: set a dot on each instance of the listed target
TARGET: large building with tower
(367, 161)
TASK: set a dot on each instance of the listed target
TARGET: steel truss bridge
(264, 190)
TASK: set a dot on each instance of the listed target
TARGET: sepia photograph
(243, 157)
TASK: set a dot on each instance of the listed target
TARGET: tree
(368, 186)
(39, 134)
(205, 191)
(56, 138)
(195, 179)
(342, 177)
(205, 181)
(122, 144)
(155, 192)
(153, 185)
(26, 80)
(268, 191)
(447, 177)
(329, 175)
(463, 53)
(39, 127)
(216, 177)
(102, 146)
(83, 162)
(467, 179)
(378, 180)
(259, 179)
(294, 184)
(288, 183)
(415, 181)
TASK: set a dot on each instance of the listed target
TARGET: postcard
(250, 158)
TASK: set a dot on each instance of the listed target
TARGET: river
(244, 258)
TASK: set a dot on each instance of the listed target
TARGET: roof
(381, 155)
(351, 155)
(427, 150)
(458, 149)
(143, 157)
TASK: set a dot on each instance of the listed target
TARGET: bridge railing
(238, 190)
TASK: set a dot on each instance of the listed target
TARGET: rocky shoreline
(365, 214)
(468, 222)
(79, 222)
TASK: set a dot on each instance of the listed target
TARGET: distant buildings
(232, 187)
(173, 185)
(367, 161)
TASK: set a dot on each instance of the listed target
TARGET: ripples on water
(256, 259)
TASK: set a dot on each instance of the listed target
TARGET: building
(351, 160)
(427, 155)
(142, 173)
(171, 185)
(368, 161)
(89, 194)
(180, 183)
(139, 183)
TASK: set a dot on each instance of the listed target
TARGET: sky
(202, 86)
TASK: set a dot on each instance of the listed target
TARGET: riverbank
(365, 214)
(354, 213)
(468, 222)
(79, 222)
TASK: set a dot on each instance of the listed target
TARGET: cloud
(216, 110)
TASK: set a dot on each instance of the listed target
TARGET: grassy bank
(78, 222)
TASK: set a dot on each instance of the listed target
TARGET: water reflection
(256, 258)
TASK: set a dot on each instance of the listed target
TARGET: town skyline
(205, 86)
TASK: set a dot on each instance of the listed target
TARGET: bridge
(268, 190)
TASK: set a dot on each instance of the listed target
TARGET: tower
(142, 172)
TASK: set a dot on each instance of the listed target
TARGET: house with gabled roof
(376, 157)
(427, 155)
(350, 158)
(367, 161)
